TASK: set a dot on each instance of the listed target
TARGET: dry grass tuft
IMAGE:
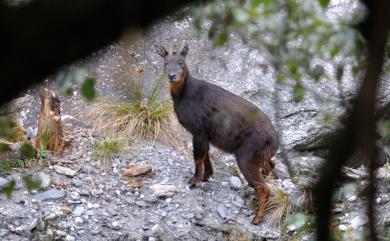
(279, 203)
(148, 116)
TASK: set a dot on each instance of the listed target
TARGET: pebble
(4, 232)
(43, 178)
(60, 233)
(137, 170)
(96, 230)
(3, 182)
(78, 220)
(33, 224)
(115, 225)
(164, 190)
(49, 194)
(235, 182)
(69, 238)
(66, 210)
(383, 173)
(77, 182)
(222, 211)
(64, 171)
(359, 221)
(78, 211)
(157, 229)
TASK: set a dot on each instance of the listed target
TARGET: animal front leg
(200, 145)
(208, 168)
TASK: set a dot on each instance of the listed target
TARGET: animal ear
(184, 50)
(161, 50)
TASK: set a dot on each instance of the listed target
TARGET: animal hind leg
(208, 168)
(250, 168)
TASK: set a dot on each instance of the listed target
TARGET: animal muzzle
(171, 77)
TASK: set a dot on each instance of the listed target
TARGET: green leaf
(30, 183)
(317, 72)
(255, 3)
(9, 188)
(88, 89)
(299, 92)
(5, 166)
(222, 38)
(3, 147)
(324, 3)
(334, 51)
(27, 150)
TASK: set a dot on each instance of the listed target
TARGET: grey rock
(69, 238)
(60, 233)
(96, 230)
(4, 232)
(359, 221)
(77, 182)
(78, 220)
(383, 173)
(31, 133)
(78, 211)
(43, 178)
(238, 201)
(90, 212)
(3, 182)
(235, 182)
(64, 170)
(116, 225)
(222, 211)
(33, 224)
(164, 190)
(50, 195)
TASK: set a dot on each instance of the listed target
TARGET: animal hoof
(206, 178)
(193, 183)
(256, 220)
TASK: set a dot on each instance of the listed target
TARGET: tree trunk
(50, 134)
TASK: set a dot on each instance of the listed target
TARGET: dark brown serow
(229, 122)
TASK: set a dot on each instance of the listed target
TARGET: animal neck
(177, 88)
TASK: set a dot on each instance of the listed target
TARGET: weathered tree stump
(50, 133)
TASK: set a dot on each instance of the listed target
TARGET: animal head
(174, 63)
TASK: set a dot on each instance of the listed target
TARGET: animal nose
(171, 76)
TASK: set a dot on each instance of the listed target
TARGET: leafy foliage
(68, 77)
(297, 36)
(9, 188)
(30, 183)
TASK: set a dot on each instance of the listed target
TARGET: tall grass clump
(146, 115)
(105, 149)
